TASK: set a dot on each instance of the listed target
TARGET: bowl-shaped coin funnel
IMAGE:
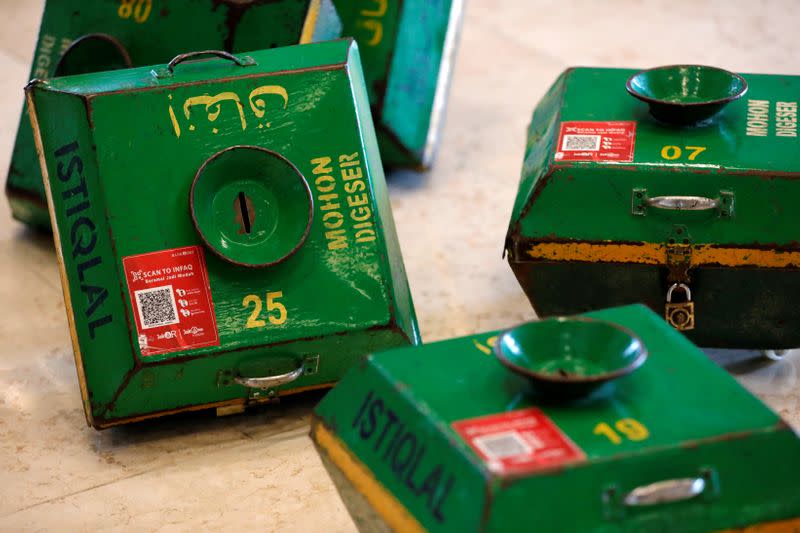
(251, 206)
(686, 94)
(569, 357)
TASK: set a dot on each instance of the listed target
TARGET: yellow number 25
(253, 321)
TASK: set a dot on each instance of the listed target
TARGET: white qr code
(156, 307)
(572, 143)
(502, 445)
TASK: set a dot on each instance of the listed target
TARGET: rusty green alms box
(443, 437)
(407, 47)
(99, 35)
(686, 201)
(223, 228)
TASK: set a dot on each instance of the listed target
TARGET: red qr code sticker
(518, 442)
(596, 141)
(171, 300)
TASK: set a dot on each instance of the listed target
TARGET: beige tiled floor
(259, 471)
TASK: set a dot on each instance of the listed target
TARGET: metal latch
(679, 254)
(679, 315)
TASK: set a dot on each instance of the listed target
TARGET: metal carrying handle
(724, 204)
(683, 203)
(308, 366)
(673, 490)
(244, 61)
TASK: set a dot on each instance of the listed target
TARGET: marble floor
(259, 470)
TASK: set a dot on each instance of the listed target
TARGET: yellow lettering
(379, 11)
(670, 152)
(274, 305)
(347, 160)
(360, 214)
(338, 219)
(325, 183)
(139, 9)
(322, 165)
(337, 239)
(695, 151)
(253, 321)
(357, 200)
(351, 173)
(351, 187)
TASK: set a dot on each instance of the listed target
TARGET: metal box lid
(602, 177)
(97, 35)
(616, 206)
(442, 437)
(201, 209)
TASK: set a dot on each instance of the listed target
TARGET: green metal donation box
(680, 192)
(99, 35)
(223, 228)
(407, 47)
(605, 422)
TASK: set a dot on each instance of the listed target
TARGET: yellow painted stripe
(656, 254)
(385, 504)
(784, 526)
(310, 24)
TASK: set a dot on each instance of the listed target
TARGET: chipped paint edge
(656, 254)
(389, 508)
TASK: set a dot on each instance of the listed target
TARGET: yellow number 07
(672, 152)
(272, 305)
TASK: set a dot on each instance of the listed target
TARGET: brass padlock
(680, 315)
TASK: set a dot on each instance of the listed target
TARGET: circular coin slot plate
(251, 206)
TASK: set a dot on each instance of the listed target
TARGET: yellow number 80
(140, 9)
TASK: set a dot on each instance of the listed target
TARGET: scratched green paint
(602, 191)
(341, 302)
(164, 33)
(711, 424)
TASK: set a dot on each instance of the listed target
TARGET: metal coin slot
(245, 214)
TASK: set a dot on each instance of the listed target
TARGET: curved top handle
(244, 61)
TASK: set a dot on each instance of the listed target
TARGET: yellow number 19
(632, 429)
